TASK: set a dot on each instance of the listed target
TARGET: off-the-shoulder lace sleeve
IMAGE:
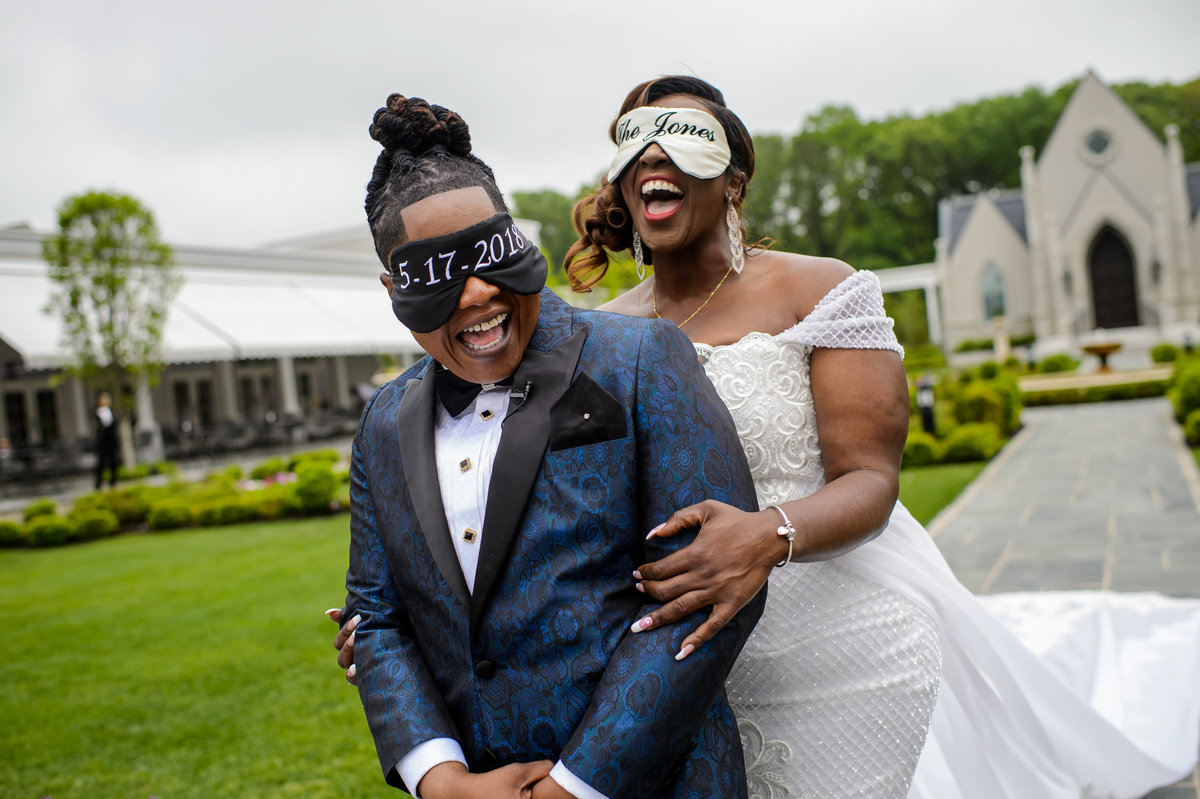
(850, 316)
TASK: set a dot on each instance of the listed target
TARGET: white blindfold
(693, 139)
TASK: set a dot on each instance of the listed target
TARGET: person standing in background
(925, 403)
(106, 440)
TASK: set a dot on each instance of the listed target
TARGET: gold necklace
(654, 299)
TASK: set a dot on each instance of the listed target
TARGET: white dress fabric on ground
(857, 658)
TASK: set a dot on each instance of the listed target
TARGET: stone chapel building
(1101, 240)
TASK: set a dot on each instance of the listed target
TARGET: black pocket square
(585, 414)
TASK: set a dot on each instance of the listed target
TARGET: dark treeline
(867, 191)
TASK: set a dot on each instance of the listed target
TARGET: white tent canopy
(233, 305)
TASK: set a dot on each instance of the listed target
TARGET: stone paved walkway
(1102, 496)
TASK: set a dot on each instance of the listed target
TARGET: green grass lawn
(199, 664)
(191, 664)
(928, 489)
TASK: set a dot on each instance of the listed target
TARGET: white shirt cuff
(424, 756)
(572, 784)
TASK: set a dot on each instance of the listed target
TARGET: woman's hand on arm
(343, 642)
(725, 567)
(861, 401)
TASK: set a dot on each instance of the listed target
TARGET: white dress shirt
(465, 447)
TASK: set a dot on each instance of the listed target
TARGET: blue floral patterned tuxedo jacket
(620, 428)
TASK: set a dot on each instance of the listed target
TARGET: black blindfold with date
(428, 275)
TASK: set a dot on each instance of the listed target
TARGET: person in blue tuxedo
(502, 490)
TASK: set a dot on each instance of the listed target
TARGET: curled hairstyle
(426, 151)
(602, 218)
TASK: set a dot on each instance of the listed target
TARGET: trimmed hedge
(1164, 353)
(143, 470)
(39, 507)
(209, 508)
(1075, 396)
(268, 468)
(1191, 428)
(972, 442)
(985, 403)
(276, 502)
(12, 534)
(977, 441)
(923, 357)
(315, 486)
(975, 345)
(921, 449)
(1023, 340)
(217, 512)
(1060, 362)
(342, 501)
(169, 514)
(979, 403)
(218, 499)
(1183, 389)
(49, 531)
(325, 456)
(93, 524)
(131, 505)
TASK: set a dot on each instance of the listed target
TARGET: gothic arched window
(992, 286)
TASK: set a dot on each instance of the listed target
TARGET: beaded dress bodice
(823, 711)
(765, 382)
(767, 388)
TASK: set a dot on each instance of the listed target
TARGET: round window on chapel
(1098, 141)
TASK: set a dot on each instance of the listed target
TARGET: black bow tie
(455, 393)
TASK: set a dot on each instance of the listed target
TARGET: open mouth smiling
(660, 198)
(486, 335)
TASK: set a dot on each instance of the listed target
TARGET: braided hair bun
(426, 150)
(415, 126)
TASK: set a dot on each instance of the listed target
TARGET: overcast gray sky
(245, 122)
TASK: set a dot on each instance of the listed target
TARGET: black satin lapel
(519, 458)
(415, 421)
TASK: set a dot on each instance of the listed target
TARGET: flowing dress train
(877, 674)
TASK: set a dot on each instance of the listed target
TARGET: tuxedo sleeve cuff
(572, 784)
(424, 756)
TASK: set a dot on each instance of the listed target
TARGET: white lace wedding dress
(857, 658)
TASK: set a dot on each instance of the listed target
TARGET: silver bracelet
(789, 531)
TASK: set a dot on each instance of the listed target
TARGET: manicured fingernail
(685, 651)
(331, 611)
(352, 671)
(354, 622)
(642, 624)
(350, 640)
(655, 530)
(640, 587)
(637, 575)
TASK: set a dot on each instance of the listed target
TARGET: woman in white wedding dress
(873, 672)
